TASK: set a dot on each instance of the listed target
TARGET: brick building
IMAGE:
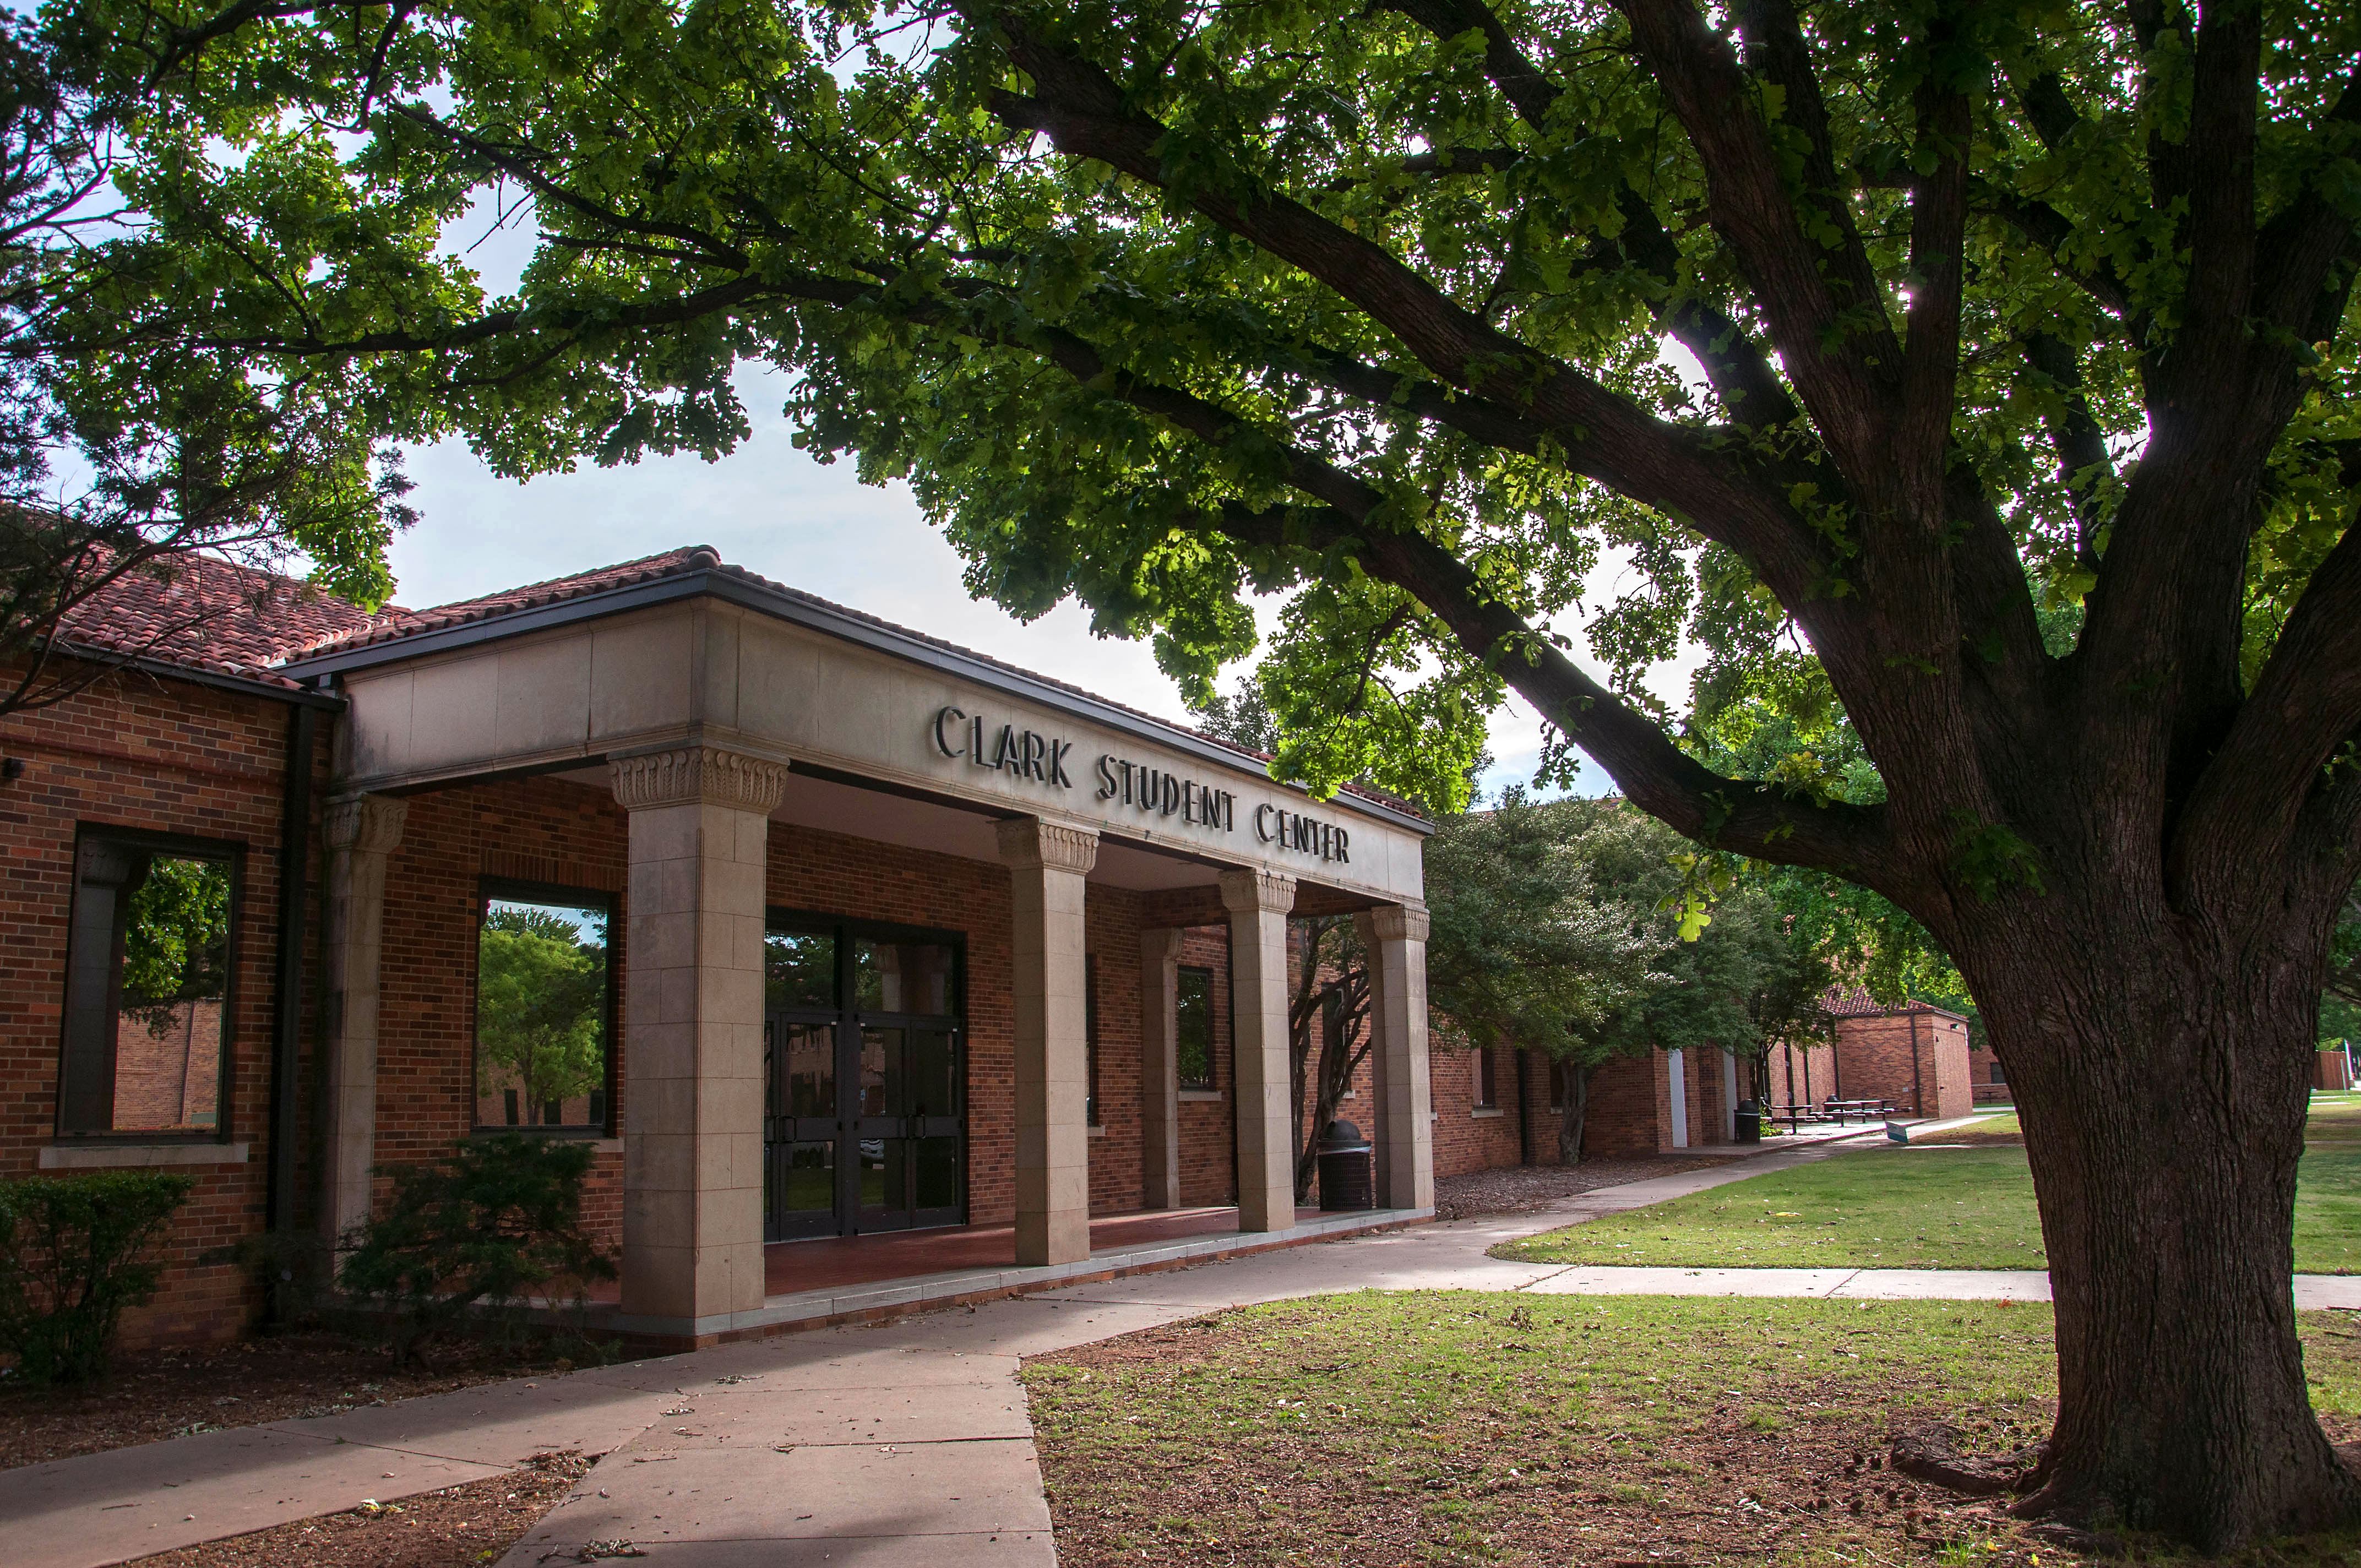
(812, 925)
(1914, 1057)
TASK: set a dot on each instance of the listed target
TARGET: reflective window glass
(1195, 1036)
(902, 977)
(799, 969)
(147, 990)
(542, 979)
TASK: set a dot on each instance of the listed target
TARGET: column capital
(1159, 941)
(1398, 922)
(1028, 843)
(1248, 889)
(364, 824)
(698, 775)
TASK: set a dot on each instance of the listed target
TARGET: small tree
(498, 1221)
(72, 1258)
(1328, 1037)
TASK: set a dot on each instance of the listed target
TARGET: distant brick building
(1914, 1057)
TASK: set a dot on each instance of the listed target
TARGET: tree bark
(1577, 1108)
(2161, 1073)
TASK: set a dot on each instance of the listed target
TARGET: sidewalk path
(902, 1445)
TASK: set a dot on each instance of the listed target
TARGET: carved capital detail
(698, 775)
(1248, 890)
(1398, 922)
(1161, 944)
(1030, 844)
(364, 824)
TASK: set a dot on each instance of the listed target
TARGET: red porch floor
(790, 1267)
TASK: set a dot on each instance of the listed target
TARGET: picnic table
(1840, 1112)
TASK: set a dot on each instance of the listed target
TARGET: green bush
(497, 1222)
(69, 1264)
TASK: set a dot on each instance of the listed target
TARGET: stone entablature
(708, 673)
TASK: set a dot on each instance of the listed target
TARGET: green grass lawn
(1896, 1208)
(1450, 1428)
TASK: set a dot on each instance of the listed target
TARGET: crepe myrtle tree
(1982, 372)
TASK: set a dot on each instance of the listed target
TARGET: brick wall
(1875, 1061)
(1467, 1139)
(538, 829)
(161, 757)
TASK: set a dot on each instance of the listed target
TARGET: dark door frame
(847, 1128)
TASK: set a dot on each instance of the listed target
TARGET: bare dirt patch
(459, 1526)
(1521, 1189)
(183, 1391)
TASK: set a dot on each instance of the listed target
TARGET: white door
(1680, 1087)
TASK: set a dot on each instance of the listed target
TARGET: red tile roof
(1855, 1002)
(213, 615)
(396, 625)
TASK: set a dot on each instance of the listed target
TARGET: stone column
(362, 830)
(1395, 937)
(1259, 902)
(1159, 1069)
(692, 1031)
(1048, 862)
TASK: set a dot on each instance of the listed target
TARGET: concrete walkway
(901, 1446)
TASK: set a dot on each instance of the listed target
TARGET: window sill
(1096, 1130)
(130, 1157)
(1200, 1096)
(598, 1144)
(1482, 1110)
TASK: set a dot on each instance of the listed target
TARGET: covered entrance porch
(913, 957)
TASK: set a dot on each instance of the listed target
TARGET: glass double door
(865, 1114)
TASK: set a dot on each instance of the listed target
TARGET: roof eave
(731, 588)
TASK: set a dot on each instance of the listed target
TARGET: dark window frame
(187, 846)
(1211, 1083)
(1485, 1085)
(1094, 1110)
(559, 894)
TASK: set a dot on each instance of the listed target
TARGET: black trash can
(1750, 1121)
(1348, 1177)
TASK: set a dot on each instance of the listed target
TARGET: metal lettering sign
(1138, 787)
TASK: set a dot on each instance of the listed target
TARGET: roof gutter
(245, 686)
(731, 588)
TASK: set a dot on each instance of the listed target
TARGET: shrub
(69, 1264)
(497, 1222)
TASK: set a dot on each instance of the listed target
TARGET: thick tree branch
(1826, 315)
(1930, 353)
(2083, 462)
(1756, 820)
(1742, 375)
(1606, 437)
(2241, 815)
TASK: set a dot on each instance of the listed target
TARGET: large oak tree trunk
(2161, 1073)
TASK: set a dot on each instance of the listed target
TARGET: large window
(544, 1007)
(1487, 1081)
(147, 985)
(1194, 1040)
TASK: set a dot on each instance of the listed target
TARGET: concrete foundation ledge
(967, 1287)
(133, 1156)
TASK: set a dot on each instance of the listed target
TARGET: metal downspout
(287, 1023)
